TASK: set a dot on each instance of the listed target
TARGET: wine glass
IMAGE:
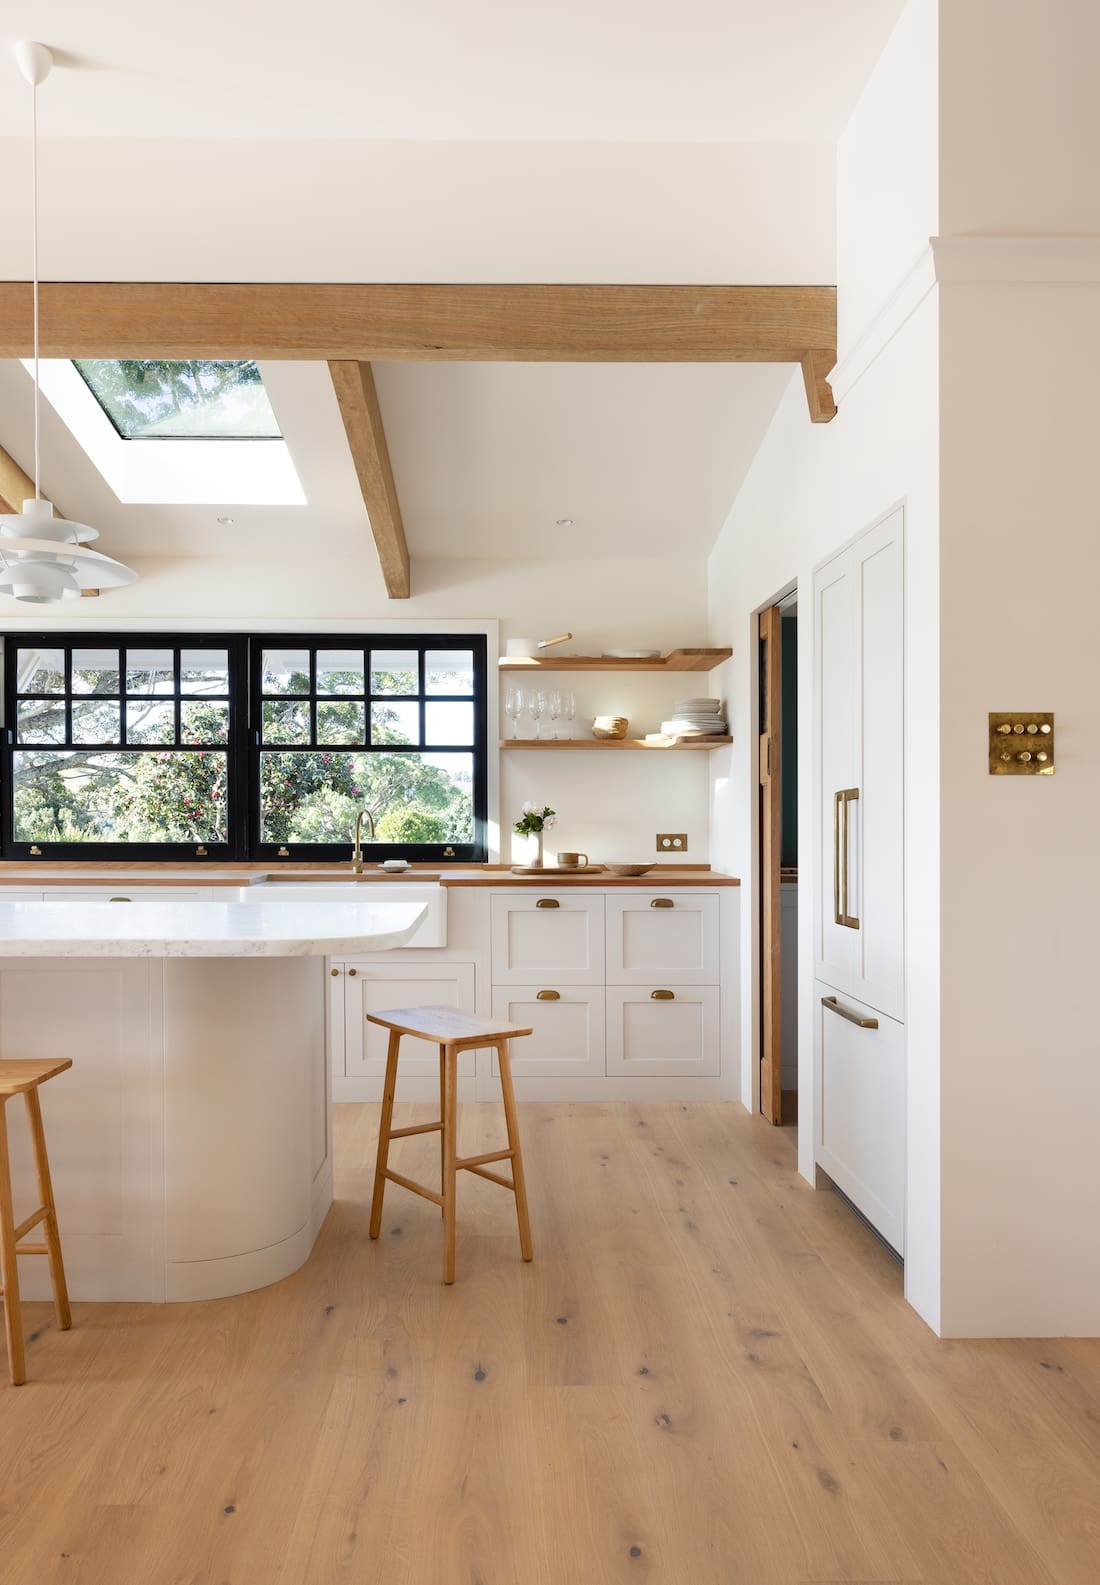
(513, 708)
(536, 709)
(553, 703)
(569, 710)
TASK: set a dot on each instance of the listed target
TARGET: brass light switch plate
(1021, 743)
(672, 842)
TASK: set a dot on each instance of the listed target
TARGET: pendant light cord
(34, 270)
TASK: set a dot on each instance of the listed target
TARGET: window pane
(313, 797)
(449, 723)
(96, 721)
(449, 671)
(150, 723)
(40, 671)
(395, 723)
(95, 671)
(172, 399)
(340, 671)
(150, 671)
(345, 722)
(204, 721)
(285, 671)
(286, 721)
(113, 796)
(394, 671)
(204, 671)
(41, 721)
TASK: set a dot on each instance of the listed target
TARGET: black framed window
(396, 725)
(220, 746)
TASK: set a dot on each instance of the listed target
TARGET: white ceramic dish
(395, 866)
(631, 654)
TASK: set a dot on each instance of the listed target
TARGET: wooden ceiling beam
(353, 382)
(384, 322)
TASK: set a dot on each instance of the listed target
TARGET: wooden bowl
(610, 726)
(629, 869)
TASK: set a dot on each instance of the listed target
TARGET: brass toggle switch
(1028, 760)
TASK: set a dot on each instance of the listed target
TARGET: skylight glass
(158, 399)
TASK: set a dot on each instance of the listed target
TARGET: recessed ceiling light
(226, 522)
(565, 522)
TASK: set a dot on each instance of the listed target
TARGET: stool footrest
(421, 1128)
(493, 1177)
(417, 1188)
(470, 1162)
(32, 1221)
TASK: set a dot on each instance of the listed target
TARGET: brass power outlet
(672, 842)
(1021, 743)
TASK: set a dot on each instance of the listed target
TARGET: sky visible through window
(197, 399)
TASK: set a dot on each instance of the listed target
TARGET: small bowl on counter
(610, 727)
(629, 869)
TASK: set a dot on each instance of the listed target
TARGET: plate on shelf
(631, 654)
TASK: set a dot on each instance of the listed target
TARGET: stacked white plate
(696, 718)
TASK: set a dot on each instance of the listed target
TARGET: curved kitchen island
(190, 1142)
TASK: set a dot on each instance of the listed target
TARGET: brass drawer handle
(548, 902)
(548, 996)
(662, 902)
(120, 899)
(846, 1012)
(662, 996)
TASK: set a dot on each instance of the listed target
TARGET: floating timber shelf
(694, 743)
(676, 660)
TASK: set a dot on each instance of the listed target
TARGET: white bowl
(395, 866)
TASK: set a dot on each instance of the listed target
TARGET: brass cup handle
(842, 801)
(662, 902)
(548, 996)
(662, 996)
(548, 902)
(833, 1006)
(120, 899)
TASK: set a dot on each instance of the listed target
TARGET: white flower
(549, 822)
(528, 809)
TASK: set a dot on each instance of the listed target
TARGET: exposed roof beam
(358, 399)
(381, 322)
(16, 486)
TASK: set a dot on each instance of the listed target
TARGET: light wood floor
(707, 1377)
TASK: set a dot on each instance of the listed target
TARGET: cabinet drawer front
(661, 938)
(861, 1111)
(568, 1033)
(375, 988)
(667, 1037)
(553, 937)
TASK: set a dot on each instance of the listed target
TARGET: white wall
(394, 211)
(812, 489)
(610, 804)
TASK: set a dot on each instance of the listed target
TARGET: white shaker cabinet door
(860, 1124)
(371, 987)
(663, 1032)
(554, 938)
(568, 1029)
(665, 937)
(860, 706)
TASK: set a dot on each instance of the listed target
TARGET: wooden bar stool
(23, 1078)
(453, 1032)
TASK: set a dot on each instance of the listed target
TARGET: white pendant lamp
(42, 557)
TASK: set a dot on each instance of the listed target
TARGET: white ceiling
(621, 70)
(646, 458)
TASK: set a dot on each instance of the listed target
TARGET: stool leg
(442, 1119)
(9, 1273)
(450, 1143)
(45, 1199)
(504, 1062)
(383, 1157)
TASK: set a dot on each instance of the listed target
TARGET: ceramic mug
(572, 861)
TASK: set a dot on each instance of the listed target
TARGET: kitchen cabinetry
(569, 1037)
(360, 986)
(548, 936)
(859, 931)
(662, 1031)
(662, 937)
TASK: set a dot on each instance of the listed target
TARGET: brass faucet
(357, 848)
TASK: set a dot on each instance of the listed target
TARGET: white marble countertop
(165, 927)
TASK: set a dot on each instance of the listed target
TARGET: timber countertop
(53, 873)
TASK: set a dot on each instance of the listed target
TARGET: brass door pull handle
(548, 902)
(662, 996)
(548, 996)
(842, 801)
(662, 902)
(834, 1006)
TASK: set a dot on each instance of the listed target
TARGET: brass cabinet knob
(548, 996)
(352, 973)
(335, 973)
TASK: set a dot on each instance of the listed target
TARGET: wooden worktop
(64, 873)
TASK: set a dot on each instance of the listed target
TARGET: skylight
(197, 399)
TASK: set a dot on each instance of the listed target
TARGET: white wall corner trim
(1017, 261)
(898, 308)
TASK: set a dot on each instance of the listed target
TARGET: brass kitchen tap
(357, 848)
